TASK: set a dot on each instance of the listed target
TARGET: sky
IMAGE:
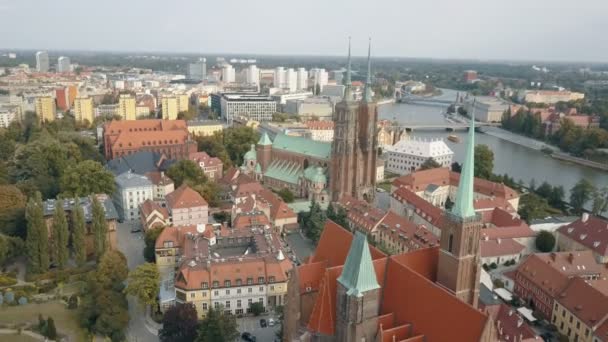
(552, 30)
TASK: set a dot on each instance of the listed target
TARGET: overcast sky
(478, 29)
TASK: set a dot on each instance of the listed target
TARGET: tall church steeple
(459, 263)
(368, 82)
(348, 95)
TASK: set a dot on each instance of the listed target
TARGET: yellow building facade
(170, 107)
(205, 129)
(183, 102)
(46, 108)
(201, 299)
(126, 107)
(83, 109)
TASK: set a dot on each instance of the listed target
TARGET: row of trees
(41, 250)
(181, 324)
(187, 172)
(229, 145)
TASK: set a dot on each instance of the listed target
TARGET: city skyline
(470, 30)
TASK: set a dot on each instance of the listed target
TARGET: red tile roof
(425, 209)
(585, 302)
(185, 197)
(320, 125)
(542, 275)
(158, 178)
(203, 157)
(499, 247)
(593, 233)
(511, 326)
(361, 213)
(412, 235)
(250, 220)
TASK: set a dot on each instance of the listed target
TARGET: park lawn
(385, 185)
(66, 320)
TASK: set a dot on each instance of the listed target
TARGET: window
(227, 292)
(216, 293)
(569, 332)
(238, 291)
(261, 300)
(249, 281)
(450, 242)
(238, 282)
(238, 303)
(271, 288)
(250, 290)
(205, 306)
(227, 306)
(578, 325)
(260, 280)
(216, 305)
(271, 279)
(261, 289)
(216, 283)
(192, 295)
(205, 285)
(571, 317)
(226, 283)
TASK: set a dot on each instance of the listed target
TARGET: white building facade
(63, 64)
(42, 61)
(228, 75)
(279, 77)
(252, 106)
(291, 80)
(408, 155)
(302, 76)
(320, 77)
(131, 191)
(253, 75)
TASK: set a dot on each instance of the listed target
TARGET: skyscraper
(198, 70)
(354, 147)
(302, 79)
(42, 61)
(63, 64)
(253, 75)
(459, 262)
(126, 107)
(228, 75)
(291, 80)
(279, 77)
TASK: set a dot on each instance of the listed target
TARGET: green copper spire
(348, 82)
(265, 140)
(463, 206)
(368, 82)
(358, 275)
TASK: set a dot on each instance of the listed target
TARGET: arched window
(450, 242)
(305, 164)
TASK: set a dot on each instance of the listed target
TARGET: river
(517, 161)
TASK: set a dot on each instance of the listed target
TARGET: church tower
(358, 295)
(459, 265)
(354, 148)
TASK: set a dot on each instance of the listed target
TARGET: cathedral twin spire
(463, 206)
(368, 83)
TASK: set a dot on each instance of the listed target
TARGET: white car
(271, 322)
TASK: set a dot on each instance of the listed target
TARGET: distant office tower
(291, 80)
(228, 75)
(63, 64)
(45, 108)
(42, 61)
(126, 107)
(198, 70)
(320, 77)
(302, 79)
(338, 76)
(253, 75)
(83, 109)
(279, 77)
(183, 102)
(170, 107)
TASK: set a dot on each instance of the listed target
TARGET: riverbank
(580, 161)
(385, 101)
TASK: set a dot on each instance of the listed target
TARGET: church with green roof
(296, 163)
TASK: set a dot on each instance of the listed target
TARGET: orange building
(169, 137)
(65, 97)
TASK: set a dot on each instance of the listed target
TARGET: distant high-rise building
(198, 70)
(63, 64)
(279, 77)
(291, 80)
(320, 78)
(126, 107)
(253, 75)
(183, 102)
(470, 76)
(42, 61)
(170, 107)
(228, 75)
(83, 109)
(45, 108)
(302, 79)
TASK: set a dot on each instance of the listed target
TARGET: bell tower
(459, 265)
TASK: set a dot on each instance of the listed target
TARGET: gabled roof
(301, 145)
(358, 275)
(591, 233)
(511, 326)
(585, 302)
(140, 163)
(499, 247)
(185, 197)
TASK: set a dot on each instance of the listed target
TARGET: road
(132, 246)
(252, 325)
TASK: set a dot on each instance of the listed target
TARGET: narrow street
(132, 246)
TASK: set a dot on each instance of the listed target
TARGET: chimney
(553, 256)
(520, 322)
(571, 258)
(498, 240)
(585, 217)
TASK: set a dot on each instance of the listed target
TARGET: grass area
(385, 185)
(66, 320)
(17, 338)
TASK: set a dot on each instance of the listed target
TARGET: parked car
(271, 322)
(263, 323)
(248, 337)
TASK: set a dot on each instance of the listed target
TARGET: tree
(186, 171)
(78, 233)
(456, 167)
(238, 140)
(256, 308)
(484, 161)
(143, 283)
(12, 211)
(430, 163)
(600, 200)
(99, 227)
(51, 331)
(544, 190)
(150, 243)
(10, 247)
(532, 206)
(37, 243)
(217, 327)
(222, 216)
(180, 323)
(86, 178)
(286, 195)
(112, 270)
(545, 241)
(556, 198)
(314, 221)
(580, 194)
(60, 236)
(214, 147)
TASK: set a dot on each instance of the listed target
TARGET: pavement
(132, 246)
(252, 325)
(301, 246)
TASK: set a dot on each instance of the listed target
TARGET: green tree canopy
(532, 206)
(10, 247)
(186, 171)
(112, 270)
(150, 242)
(430, 163)
(217, 327)
(12, 211)
(600, 200)
(99, 227)
(580, 194)
(286, 195)
(86, 178)
(78, 233)
(180, 323)
(37, 243)
(545, 241)
(484, 161)
(60, 236)
(143, 283)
